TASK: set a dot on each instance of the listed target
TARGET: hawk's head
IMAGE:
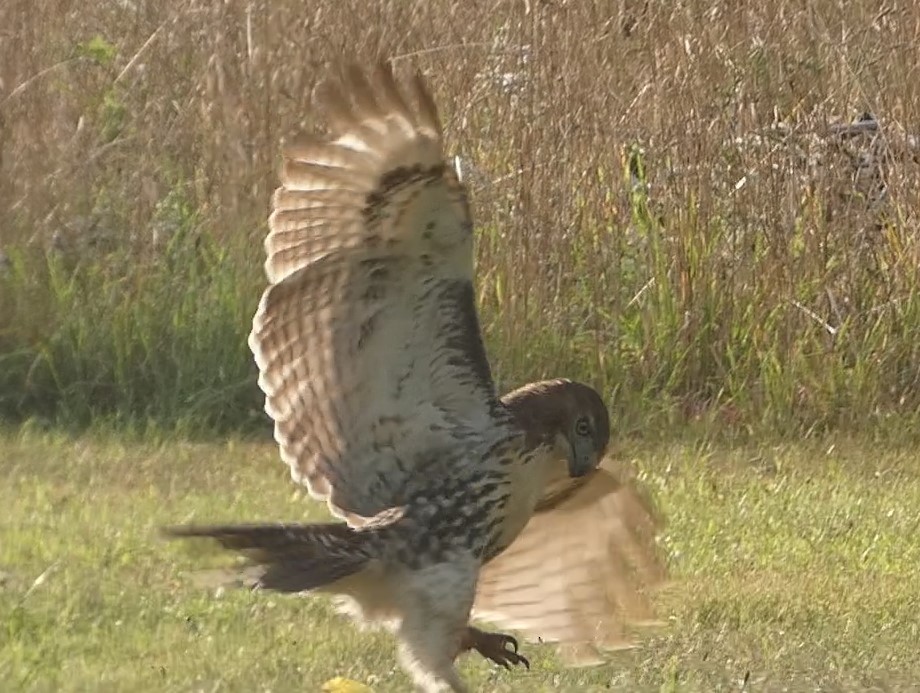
(567, 415)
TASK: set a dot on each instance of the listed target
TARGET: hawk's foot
(497, 647)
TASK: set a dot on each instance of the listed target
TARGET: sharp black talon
(514, 643)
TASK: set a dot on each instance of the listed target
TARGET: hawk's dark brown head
(566, 414)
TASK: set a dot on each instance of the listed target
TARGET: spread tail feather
(288, 557)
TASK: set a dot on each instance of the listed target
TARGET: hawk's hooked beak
(584, 458)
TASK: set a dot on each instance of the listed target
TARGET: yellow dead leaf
(343, 685)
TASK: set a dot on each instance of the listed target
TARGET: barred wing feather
(367, 339)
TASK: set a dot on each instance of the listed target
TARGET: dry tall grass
(660, 206)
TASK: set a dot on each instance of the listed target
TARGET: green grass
(795, 565)
(161, 342)
(119, 340)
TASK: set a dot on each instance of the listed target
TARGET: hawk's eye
(582, 427)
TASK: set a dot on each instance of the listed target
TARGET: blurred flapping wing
(581, 568)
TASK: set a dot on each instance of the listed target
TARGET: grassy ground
(796, 567)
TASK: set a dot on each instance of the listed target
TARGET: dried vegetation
(667, 204)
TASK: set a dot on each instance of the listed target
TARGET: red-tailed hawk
(374, 371)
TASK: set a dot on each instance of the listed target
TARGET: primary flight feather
(374, 371)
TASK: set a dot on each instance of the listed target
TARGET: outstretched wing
(367, 339)
(580, 569)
